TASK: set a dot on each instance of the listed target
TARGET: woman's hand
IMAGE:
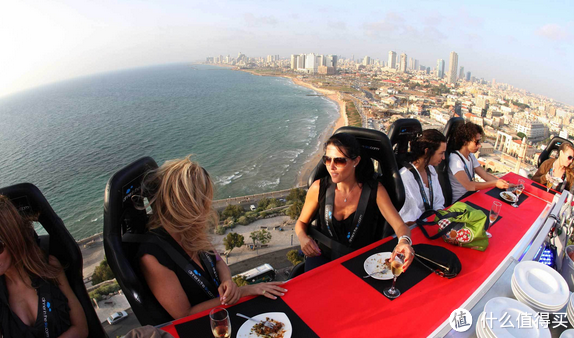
(407, 251)
(308, 246)
(501, 184)
(228, 292)
(270, 290)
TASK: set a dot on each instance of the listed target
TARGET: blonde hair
(17, 233)
(180, 193)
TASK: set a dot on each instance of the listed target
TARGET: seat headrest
(554, 144)
(404, 130)
(450, 127)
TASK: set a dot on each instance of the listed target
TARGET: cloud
(556, 32)
(252, 20)
(393, 23)
(395, 26)
(338, 25)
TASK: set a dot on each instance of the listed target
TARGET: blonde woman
(181, 193)
(31, 281)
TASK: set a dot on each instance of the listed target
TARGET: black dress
(370, 230)
(195, 293)
(53, 313)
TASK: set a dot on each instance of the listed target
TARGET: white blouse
(414, 205)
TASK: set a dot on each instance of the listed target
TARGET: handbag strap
(428, 202)
(421, 223)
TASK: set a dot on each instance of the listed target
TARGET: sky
(528, 44)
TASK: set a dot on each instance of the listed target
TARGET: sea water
(252, 133)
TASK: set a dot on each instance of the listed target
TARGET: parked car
(117, 316)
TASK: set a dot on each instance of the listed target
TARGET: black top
(371, 229)
(195, 294)
(53, 313)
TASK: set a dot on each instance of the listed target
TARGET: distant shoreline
(332, 95)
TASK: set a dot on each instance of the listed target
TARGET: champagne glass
(518, 190)
(220, 323)
(396, 269)
(494, 212)
(549, 182)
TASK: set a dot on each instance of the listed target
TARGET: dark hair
(430, 139)
(463, 134)
(351, 148)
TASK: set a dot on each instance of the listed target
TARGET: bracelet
(407, 238)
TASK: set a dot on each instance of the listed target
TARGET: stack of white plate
(540, 287)
(505, 313)
(570, 310)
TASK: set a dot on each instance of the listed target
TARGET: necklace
(345, 200)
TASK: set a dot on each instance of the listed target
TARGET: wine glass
(396, 269)
(220, 323)
(549, 182)
(518, 190)
(494, 212)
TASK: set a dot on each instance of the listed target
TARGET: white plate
(541, 283)
(481, 330)
(245, 329)
(509, 194)
(376, 263)
(571, 303)
(567, 334)
(497, 307)
(522, 297)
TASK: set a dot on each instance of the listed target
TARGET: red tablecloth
(335, 303)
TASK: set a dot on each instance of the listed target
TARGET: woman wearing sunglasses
(349, 223)
(35, 297)
(559, 169)
(463, 165)
(422, 188)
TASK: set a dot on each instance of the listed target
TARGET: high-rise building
(411, 63)
(311, 63)
(428, 70)
(417, 64)
(367, 61)
(403, 64)
(467, 76)
(452, 67)
(322, 60)
(440, 68)
(392, 60)
(332, 61)
(461, 73)
(294, 59)
(301, 62)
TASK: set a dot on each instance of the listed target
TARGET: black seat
(442, 168)
(121, 218)
(377, 147)
(29, 200)
(401, 132)
(553, 145)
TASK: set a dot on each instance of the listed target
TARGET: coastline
(341, 121)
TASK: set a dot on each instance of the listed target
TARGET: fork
(265, 322)
(376, 272)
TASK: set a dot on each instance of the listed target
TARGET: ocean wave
(269, 183)
(225, 180)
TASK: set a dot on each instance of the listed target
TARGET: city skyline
(525, 45)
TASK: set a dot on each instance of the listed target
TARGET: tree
(102, 273)
(233, 240)
(262, 236)
(295, 210)
(294, 257)
(240, 280)
(234, 211)
(521, 135)
(296, 194)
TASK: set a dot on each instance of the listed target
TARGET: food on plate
(261, 330)
(508, 196)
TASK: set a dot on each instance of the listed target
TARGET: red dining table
(334, 300)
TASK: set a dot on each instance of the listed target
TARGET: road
(121, 328)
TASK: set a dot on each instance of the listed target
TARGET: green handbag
(460, 225)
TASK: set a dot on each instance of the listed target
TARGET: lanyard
(414, 171)
(361, 208)
(465, 167)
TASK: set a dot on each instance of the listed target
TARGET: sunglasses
(477, 142)
(340, 162)
(570, 158)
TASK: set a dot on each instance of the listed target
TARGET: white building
(392, 60)
(453, 67)
(534, 131)
(403, 65)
